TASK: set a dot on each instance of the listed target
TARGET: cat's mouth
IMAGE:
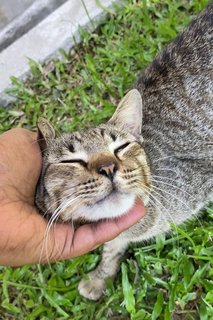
(111, 204)
(112, 196)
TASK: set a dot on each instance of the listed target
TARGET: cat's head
(95, 173)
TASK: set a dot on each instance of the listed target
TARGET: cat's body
(177, 95)
(177, 177)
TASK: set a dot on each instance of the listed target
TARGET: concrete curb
(58, 30)
(35, 13)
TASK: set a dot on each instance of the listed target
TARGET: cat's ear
(45, 133)
(128, 114)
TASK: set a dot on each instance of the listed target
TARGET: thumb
(70, 243)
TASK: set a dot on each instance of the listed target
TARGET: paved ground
(19, 16)
(10, 9)
(43, 41)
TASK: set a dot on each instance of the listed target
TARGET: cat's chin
(114, 206)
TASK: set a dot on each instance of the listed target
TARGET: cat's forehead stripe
(77, 138)
(71, 147)
(112, 135)
(102, 132)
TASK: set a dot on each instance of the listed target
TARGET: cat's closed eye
(79, 161)
(122, 147)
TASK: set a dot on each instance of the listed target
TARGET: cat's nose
(108, 169)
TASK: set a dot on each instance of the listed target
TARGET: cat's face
(93, 174)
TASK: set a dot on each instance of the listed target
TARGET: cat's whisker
(172, 195)
(63, 222)
(163, 158)
(53, 218)
(177, 198)
(157, 207)
(167, 169)
(47, 212)
(50, 222)
(154, 191)
(175, 187)
(46, 237)
(196, 217)
(149, 191)
(53, 205)
(159, 202)
(163, 177)
(50, 225)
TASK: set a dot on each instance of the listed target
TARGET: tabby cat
(157, 146)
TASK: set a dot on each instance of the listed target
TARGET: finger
(88, 237)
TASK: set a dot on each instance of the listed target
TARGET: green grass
(168, 278)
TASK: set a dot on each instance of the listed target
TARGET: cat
(157, 146)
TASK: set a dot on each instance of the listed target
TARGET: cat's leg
(114, 250)
(108, 267)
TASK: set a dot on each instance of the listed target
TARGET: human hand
(22, 229)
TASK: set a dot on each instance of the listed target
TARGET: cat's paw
(92, 289)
